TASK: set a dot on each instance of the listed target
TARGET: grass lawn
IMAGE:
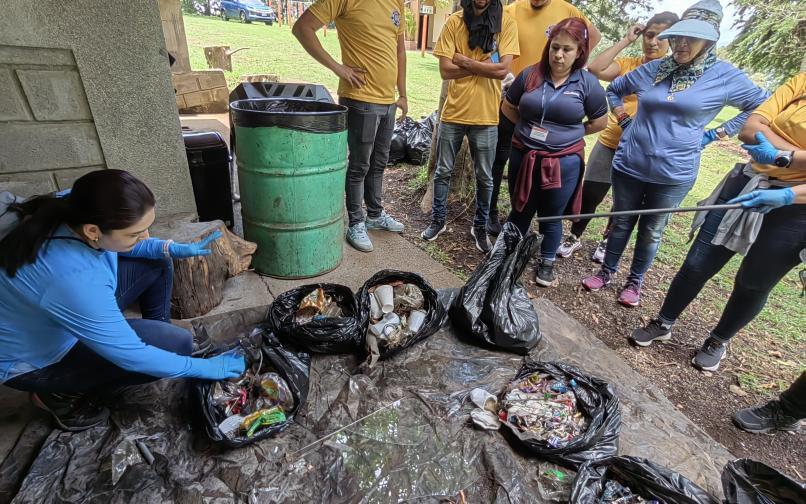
(273, 50)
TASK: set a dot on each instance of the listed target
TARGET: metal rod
(646, 211)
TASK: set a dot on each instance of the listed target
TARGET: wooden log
(218, 57)
(199, 281)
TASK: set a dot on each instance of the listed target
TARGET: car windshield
(254, 3)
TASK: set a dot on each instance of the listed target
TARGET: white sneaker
(599, 254)
(569, 245)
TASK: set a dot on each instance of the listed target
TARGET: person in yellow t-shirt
(607, 67)
(533, 19)
(772, 241)
(475, 51)
(373, 63)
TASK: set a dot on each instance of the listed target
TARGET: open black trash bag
(293, 367)
(435, 312)
(643, 477)
(493, 308)
(595, 399)
(746, 481)
(418, 140)
(332, 335)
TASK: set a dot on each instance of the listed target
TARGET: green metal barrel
(292, 163)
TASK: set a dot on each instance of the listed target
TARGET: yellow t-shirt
(612, 134)
(786, 112)
(473, 99)
(368, 31)
(532, 26)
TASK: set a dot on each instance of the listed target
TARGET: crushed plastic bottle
(616, 493)
(262, 418)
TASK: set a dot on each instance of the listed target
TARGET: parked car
(247, 11)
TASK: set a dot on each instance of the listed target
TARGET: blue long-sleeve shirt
(68, 295)
(663, 143)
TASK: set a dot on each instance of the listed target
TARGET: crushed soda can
(262, 418)
(317, 306)
(275, 389)
(230, 426)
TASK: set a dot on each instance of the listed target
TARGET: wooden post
(288, 12)
(425, 35)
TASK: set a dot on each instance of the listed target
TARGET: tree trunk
(218, 57)
(199, 281)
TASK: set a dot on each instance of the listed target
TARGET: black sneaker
(710, 355)
(71, 412)
(493, 225)
(655, 330)
(765, 418)
(479, 233)
(545, 273)
(433, 230)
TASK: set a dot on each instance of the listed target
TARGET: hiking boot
(599, 254)
(385, 222)
(545, 273)
(765, 418)
(710, 355)
(655, 330)
(493, 225)
(569, 245)
(71, 412)
(357, 237)
(598, 281)
(630, 295)
(479, 234)
(433, 230)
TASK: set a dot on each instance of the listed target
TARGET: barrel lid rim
(340, 109)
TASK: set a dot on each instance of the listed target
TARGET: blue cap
(701, 21)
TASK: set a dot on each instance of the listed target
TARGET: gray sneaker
(765, 418)
(357, 237)
(655, 330)
(385, 222)
(710, 355)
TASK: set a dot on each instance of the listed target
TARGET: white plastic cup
(374, 308)
(386, 326)
(386, 297)
(416, 319)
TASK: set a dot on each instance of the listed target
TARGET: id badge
(539, 133)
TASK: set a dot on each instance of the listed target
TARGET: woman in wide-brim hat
(658, 157)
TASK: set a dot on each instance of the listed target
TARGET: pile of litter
(317, 306)
(396, 313)
(616, 493)
(252, 403)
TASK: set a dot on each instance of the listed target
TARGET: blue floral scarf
(684, 76)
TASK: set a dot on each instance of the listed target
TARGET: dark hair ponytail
(110, 199)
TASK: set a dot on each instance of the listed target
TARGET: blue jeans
(629, 193)
(482, 140)
(544, 202)
(774, 253)
(82, 370)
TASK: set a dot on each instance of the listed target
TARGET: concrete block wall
(201, 91)
(47, 133)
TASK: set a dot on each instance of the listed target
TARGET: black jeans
(506, 129)
(147, 281)
(793, 399)
(774, 253)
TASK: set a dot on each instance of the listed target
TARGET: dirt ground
(709, 399)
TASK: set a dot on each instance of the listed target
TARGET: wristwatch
(721, 133)
(784, 159)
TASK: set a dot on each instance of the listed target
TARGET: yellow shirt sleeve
(401, 9)
(446, 45)
(327, 10)
(793, 89)
(508, 40)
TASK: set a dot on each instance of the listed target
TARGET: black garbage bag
(264, 348)
(435, 312)
(344, 334)
(595, 399)
(397, 149)
(746, 481)
(643, 477)
(493, 308)
(418, 141)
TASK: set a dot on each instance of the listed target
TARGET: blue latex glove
(708, 137)
(765, 200)
(221, 367)
(184, 250)
(764, 152)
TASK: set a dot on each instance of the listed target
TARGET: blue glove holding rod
(200, 248)
(764, 152)
(765, 200)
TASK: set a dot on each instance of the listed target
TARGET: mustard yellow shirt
(532, 26)
(786, 112)
(368, 31)
(612, 134)
(473, 100)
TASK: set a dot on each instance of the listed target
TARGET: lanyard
(543, 103)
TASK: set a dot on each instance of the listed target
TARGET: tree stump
(199, 281)
(220, 57)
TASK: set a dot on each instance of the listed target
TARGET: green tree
(613, 17)
(772, 38)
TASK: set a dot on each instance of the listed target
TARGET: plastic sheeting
(420, 446)
(746, 481)
(642, 477)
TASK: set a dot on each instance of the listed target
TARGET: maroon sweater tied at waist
(550, 177)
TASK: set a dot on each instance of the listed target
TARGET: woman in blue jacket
(66, 272)
(657, 160)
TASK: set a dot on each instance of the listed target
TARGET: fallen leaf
(776, 353)
(737, 390)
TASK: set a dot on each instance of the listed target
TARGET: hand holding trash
(403, 104)
(221, 367)
(765, 200)
(764, 152)
(200, 248)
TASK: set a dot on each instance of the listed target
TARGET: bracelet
(402, 96)
(166, 248)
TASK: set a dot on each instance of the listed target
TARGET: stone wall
(85, 84)
(201, 91)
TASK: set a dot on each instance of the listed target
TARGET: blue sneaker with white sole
(385, 222)
(357, 237)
